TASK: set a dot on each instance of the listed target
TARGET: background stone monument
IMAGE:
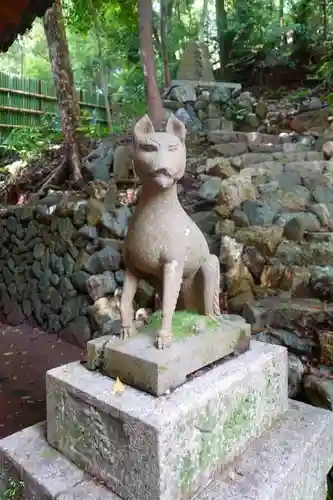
(195, 63)
(195, 97)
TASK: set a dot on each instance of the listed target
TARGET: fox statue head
(159, 157)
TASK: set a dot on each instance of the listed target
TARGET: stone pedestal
(200, 342)
(229, 433)
(148, 448)
(289, 462)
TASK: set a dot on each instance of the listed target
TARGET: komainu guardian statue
(163, 245)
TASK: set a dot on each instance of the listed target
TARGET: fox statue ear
(143, 127)
(176, 127)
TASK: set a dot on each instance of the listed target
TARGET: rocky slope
(270, 221)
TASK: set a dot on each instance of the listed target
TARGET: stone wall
(215, 107)
(272, 222)
(274, 214)
(221, 106)
(60, 266)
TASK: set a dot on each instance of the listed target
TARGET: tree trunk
(156, 37)
(20, 41)
(281, 16)
(102, 65)
(324, 9)
(154, 101)
(164, 46)
(203, 19)
(221, 25)
(64, 83)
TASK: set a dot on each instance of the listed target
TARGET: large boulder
(99, 162)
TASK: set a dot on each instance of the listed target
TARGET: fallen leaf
(232, 474)
(118, 387)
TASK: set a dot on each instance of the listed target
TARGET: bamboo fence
(24, 102)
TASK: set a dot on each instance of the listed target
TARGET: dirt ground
(26, 354)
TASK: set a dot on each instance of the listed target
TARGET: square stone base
(137, 362)
(289, 462)
(165, 448)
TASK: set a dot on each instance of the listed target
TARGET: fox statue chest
(157, 235)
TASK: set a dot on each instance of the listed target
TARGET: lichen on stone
(217, 437)
(187, 473)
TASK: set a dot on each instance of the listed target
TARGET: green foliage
(14, 490)
(91, 129)
(25, 141)
(29, 55)
(237, 114)
(252, 31)
(325, 70)
(30, 142)
(298, 95)
(117, 30)
(328, 98)
(119, 35)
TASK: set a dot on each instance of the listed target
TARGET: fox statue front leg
(172, 279)
(126, 305)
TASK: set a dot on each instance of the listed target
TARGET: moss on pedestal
(184, 324)
(217, 437)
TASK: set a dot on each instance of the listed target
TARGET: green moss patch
(188, 474)
(216, 441)
(184, 324)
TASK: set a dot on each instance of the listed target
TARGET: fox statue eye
(149, 148)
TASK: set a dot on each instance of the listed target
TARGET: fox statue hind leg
(211, 286)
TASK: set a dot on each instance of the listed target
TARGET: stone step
(207, 84)
(32, 470)
(289, 462)
(148, 448)
(290, 314)
(252, 158)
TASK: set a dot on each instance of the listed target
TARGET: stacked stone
(272, 227)
(60, 266)
(215, 108)
(274, 204)
(203, 104)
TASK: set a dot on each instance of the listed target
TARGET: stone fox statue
(163, 245)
